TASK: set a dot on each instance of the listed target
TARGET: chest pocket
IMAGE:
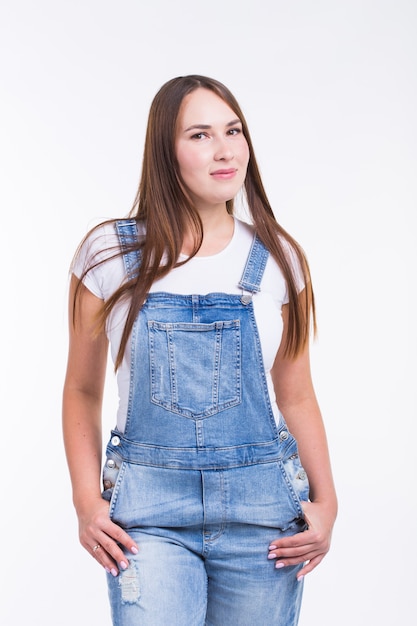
(195, 368)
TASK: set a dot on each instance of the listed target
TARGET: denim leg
(165, 583)
(244, 586)
(213, 570)
(249, 508)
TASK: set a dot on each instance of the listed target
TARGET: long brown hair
(167, 213)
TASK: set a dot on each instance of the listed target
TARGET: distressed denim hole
(129, 584)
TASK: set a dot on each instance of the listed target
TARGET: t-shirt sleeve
(94, 254)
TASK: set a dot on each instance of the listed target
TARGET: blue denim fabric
(203, 478)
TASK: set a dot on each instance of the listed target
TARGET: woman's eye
(198, 136)
(234, 131)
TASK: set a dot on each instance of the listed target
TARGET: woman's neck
(218, 229)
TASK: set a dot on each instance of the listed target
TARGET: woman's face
(211, 149)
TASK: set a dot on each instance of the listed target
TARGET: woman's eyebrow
(208, 126)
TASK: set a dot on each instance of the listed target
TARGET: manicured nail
(107, 569)
(134, 550)
(123, 565)
(300, 578)
(272, 556)
(113, 571)
(279, 565)
(272, 547)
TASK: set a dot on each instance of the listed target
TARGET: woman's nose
(223, 151)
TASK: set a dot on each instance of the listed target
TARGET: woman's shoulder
(95, 244)
(100, 235)
(98, 260)
(102, 240)
(248, 231)
(244, 230)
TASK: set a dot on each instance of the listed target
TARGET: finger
(295, 559)
(303, 547)
(299, 558)
(295, 549)
(105, 540)
(121, 537)
(113, 552)
(99, 553)
(111, 540)
(105, 543)
(292, 541)
(309, 566)
(294, 556)
(308, 541)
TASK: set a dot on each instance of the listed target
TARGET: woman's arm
(297, 402)
(82, 404)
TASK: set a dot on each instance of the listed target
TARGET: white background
(329, 91)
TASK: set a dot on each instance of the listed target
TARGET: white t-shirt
(201, 275)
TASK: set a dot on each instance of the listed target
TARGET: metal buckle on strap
(246, 298)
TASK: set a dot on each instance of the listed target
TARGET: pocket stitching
(173, 405)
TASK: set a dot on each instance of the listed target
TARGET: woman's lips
(224, 174)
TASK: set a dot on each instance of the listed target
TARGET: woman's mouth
(224, 174)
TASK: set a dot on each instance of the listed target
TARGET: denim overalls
(202, 478)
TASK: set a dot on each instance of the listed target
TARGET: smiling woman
(217, 495)
(211, 149)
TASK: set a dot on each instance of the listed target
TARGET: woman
(207, 513)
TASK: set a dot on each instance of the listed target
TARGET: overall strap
(252, 274)
(255, 266)
(127, 231)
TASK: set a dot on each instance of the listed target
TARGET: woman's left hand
(310, 546)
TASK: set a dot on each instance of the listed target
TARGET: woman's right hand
(82, 402)
(103, 539)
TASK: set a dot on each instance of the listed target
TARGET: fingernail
(113, 571)
(279, 565)
(134, 550)
(107, 569)
(123, 565)
(272, 556)
(300, 578)
(272, 547)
